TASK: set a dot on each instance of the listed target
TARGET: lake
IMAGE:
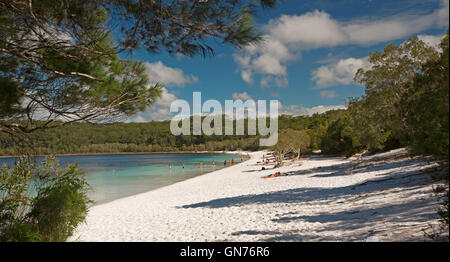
(120, 175)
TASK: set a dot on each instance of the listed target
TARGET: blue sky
(308, 59)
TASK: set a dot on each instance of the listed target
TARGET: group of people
(225, 163)
(265, 160)
(212, 163)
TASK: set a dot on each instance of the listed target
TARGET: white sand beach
(385, 197)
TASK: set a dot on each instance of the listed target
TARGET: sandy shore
(386, 197)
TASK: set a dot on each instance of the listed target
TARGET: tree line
(146, 137)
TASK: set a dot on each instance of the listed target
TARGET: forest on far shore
(147, 137)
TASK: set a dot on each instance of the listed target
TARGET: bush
(24, 232)
(41, 202)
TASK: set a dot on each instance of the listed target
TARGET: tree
(282, 147)
(41, 203)
(60, 63)
(426, 110)
(388, 79)
(377, 121)
(300, 140)
(339, 137)
(291, 141)
(426, 107)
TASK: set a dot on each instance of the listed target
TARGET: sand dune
(385, 197)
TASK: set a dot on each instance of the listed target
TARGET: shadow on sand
(350, 220)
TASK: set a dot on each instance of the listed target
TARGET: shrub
(41, 202)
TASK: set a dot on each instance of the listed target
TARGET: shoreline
(387, 196)
(230, 152)
(131, 153)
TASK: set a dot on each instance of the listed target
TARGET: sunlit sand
(383, 197)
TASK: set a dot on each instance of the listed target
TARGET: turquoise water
(116, 176)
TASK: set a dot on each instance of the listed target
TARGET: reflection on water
(117, 176)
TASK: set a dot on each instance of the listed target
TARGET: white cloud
(268, 64)
(313, 29)
(269, 81)
(160, 73)
(343, 71)
(241, 96)
(328, 94)
(247, 76)
(340, 73)
(159, 111)
(301, 110)
(432, 40)
(265, 82)
(287, 36)
(242, 60)
(391, 28)
(442, 15)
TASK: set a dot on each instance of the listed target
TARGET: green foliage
(300, 141)
(149, 137)
(59, 59)
(338, 138)
(291, 141)
(41, 203)
(9, 97)
(21, 232)
(406, 103)
(387, 82)
(426, 107)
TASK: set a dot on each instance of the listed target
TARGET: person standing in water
(214, 163)
(225, 162)
(232, 161)
(182, 164)
(201, 164)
